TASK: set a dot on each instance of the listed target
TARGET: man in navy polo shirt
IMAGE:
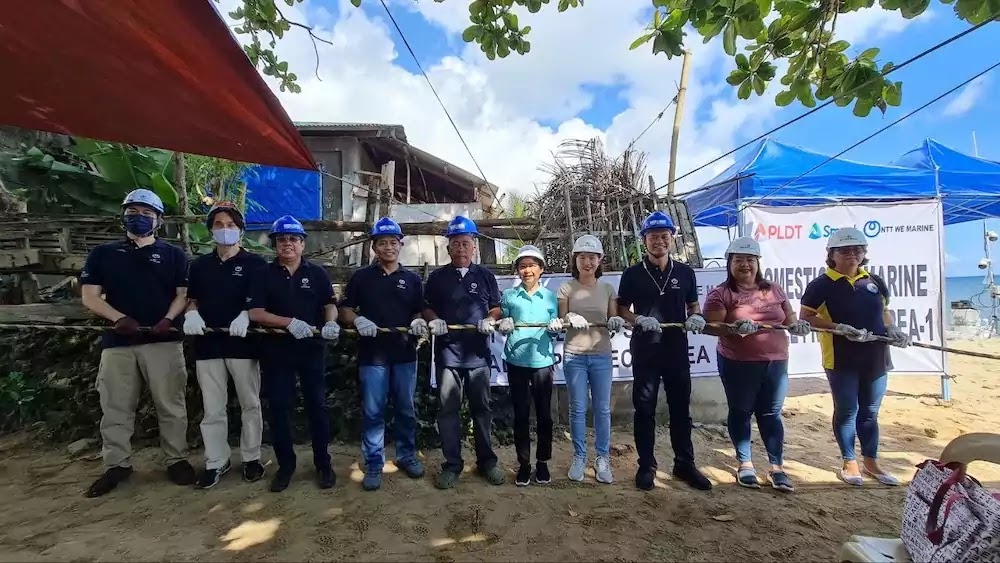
(218, 286)
(463, 293)
(660, 290)
(385, 294)
(296, 295)
(139, 282)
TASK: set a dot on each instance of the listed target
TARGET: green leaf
(913, 8)
(472, 33)
(526, 30)
(510, 19)
(767, 71)
(641, 41)
(742, 62)
(163, 188)
(863, 107)
(893, 93)
(357, 3)
(729, 39)
(737, 77)
(869, 54)
(744, 91)
(759, 85)
(839, 46)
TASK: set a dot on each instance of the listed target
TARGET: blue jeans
(856, 401)
(593, 371)
(377, 384)
(755, 389)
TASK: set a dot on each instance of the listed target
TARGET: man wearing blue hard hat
(294, 294)
(463, 293)
(217, 297)
(139, 282)
(660, 290)
(381, 295)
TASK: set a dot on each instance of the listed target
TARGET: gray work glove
(438, 327)
(615, 324)
(487, 325)
(852, 334)
(800, 328)
(331, 331)
(418, 327)
(745, 327)
(556, 326)
(505, 326)
(299, 329)
(695, 323)
(897, 336)
(648, 324)
(577, 321)
(365, 327)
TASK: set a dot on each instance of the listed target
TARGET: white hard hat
(588, 243)
(847, 236)
(145, 197)
(532, 251)
(743, 245)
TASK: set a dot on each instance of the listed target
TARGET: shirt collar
(538, 292)
(835, 275)
(650, 265)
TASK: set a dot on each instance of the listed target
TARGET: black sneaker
(181, 473)
(644, 478)
(253, 471)
(281, 480)
(325, 478)
(542, 476)
(211, 477)
(690, 475)
(523, 478)
(108, 481)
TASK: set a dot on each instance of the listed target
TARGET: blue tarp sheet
(275, 191)
(970, 186)
(776, 174)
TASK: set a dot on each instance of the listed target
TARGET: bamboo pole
(678, 115)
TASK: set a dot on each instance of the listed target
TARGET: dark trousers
(755, 389)
(453, 384)
(529, 385)
(676, 378)
(278, 383)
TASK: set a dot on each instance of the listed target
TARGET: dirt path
(46, 518)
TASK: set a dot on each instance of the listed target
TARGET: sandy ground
(44, 516)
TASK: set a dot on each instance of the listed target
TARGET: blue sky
(579, 82)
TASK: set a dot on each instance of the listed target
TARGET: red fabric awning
(162, 73)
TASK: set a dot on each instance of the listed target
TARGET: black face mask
(139, 225)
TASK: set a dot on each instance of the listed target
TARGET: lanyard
(662, 288)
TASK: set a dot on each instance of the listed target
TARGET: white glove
(487, 325)
(505, 326)
(577, 321)
(331, 331)
(365, 327)
(800, 328)
(851, 333)
(745, 327)
(615, 323)
(555, 326)
(648, 324)
(695, 323)
(898, 337)
(438, 327)
(194, 325)
(239, 325)
(299, 329)
(418, 327)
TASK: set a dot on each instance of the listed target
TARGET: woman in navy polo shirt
(854, 304)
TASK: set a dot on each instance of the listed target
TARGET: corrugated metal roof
(394, 131)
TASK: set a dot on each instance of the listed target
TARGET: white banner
(904, 249)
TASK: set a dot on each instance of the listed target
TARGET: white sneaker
(602, 467)
(577, 468)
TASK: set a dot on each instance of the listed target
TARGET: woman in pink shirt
(753, 363)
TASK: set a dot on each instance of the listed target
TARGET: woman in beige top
(583, 301)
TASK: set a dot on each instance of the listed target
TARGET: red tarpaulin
(162, 73)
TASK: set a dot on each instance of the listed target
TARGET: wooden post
(678, 114)
(621, 226)
(407, 181)
(590, 214)
(180, 184)
(569, 220)
(371, 208)
(652, 193)
(635, 229)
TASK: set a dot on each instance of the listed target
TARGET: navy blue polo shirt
(387, 300)
(221, 289)
(138, 282)
(858, 301)
(458, 299)
(303, 295)
(663, 295)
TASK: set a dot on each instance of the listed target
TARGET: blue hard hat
(461, 226)
(657, 220)
(386, 227)
(287, 225)
(145, 197)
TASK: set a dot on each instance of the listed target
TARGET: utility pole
(678, 114)
(180, 184)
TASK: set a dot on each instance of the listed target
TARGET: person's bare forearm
(496, 313)
(178, 305)
(330, 313)
(817, 321)
(627, 314)
(261, 316)
(347, 316)
(429, 314)
(192, 305)
(96, 304)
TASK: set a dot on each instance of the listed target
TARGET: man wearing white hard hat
(855, 304)
(585, 301)
(753, 361)
(140, 281)
(529, 356)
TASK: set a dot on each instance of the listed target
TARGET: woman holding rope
(853, 303)
(753, 363)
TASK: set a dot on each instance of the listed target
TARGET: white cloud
(967, 98)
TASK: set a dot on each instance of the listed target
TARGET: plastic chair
(979, 446)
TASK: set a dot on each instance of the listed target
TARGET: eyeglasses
(287, 239)
(852, 250)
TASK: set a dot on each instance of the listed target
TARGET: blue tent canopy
(276, 191)
(776, 174)
(969, 186)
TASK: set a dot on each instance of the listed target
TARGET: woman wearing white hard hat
(530, 358)
(854, 304)
(753, 361)
(583, 301)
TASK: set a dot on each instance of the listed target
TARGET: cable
(658, 117)
(873, 135)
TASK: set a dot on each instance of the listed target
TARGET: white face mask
(226, 237)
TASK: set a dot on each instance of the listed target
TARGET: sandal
(854, 480)
(747, 477)
(883, 478)
(780, 481)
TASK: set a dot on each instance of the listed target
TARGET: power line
(658, 117)
(873, 135)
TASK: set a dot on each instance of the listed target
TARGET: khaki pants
(119, 381)
(213, 377)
